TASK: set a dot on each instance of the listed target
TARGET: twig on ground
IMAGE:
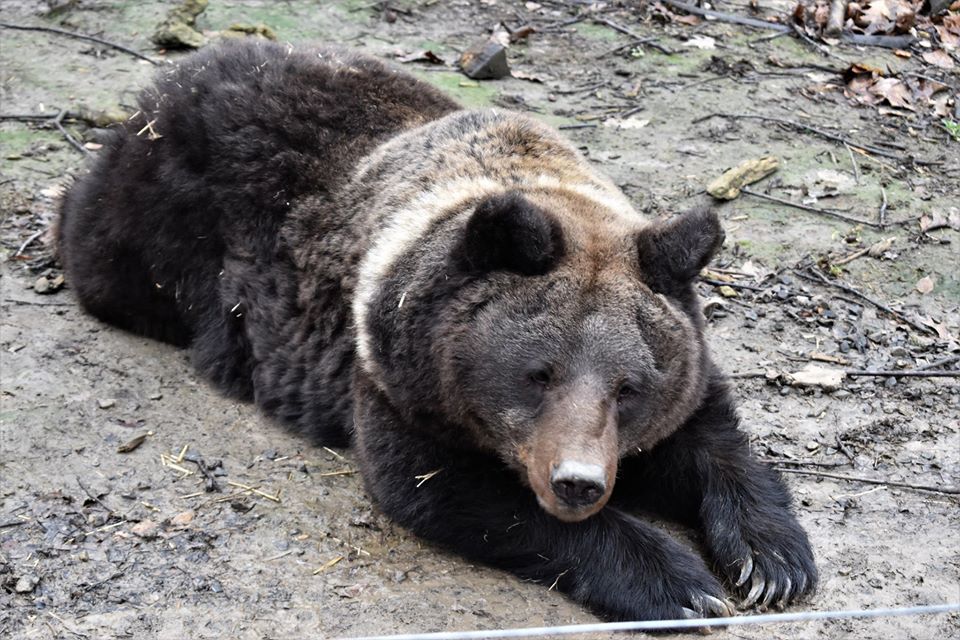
(28, 117)
(820, 132)
(889, 42)
(815, 276)
(80, 36)
(850, 258)
(647, 41)
(906, 373)
(727, 17)
(732, 285)
(805, 463)
(804, 207)
(843, 448)
(853, 161)
(887, 483)
(587, 89)
(937, 364)
(94, 497)
(58, 123)
(886, 42)
(29, 241)
(882, 216)
(651, 42)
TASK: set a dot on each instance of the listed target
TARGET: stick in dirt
(80, 36)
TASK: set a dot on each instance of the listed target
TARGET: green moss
(599, 32)
(14, 141)
(470, 93)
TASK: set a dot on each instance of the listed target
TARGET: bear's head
(551, 330)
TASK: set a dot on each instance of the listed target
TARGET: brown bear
(515, 352)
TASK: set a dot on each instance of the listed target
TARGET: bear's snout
(571, 457)
(578, 484)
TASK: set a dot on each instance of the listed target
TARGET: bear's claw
(756, 589)
(745, 571)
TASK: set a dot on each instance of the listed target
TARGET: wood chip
(728, 185)
(132, 444)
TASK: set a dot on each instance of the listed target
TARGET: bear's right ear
(672, 253)
(507, 232)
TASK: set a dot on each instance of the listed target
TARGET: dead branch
(644, 41)
(882, 214)
(732, 285)
(907, 373)
(815, 276)
(820, 132)
(727, 17)
(58, 123)
(886, 483)
(804, 207)
(886, 42)
(80, 36)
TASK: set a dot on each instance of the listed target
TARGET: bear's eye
(625, 393)
(540, 377)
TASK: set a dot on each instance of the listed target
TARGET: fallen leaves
(869, 86)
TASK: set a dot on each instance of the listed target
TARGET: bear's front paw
(770, 565)
(684, 589)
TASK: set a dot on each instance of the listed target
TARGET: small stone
(146, 529)
(182, 519)
(106, 403)
(485, 60)
(813, 445)
(42, 285)
(26, 583)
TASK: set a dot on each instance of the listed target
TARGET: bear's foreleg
(705, 473)
(470, 502)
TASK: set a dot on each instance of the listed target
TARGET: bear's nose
(578, 484)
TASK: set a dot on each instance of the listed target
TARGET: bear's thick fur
(514, 351)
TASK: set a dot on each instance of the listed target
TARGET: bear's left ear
(672, 253)
(507, 232)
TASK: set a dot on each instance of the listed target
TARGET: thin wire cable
(661, 625)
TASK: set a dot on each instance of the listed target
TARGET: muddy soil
(95, 543)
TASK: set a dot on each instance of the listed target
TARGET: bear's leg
(114, 285)
(471, 503)
(705, 473)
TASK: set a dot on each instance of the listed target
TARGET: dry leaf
(925, 284)
(894, 92)
(939, 58)
(701, 42)
(825, 183)
(422, 56)
(727, 291)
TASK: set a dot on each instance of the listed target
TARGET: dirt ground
(95, 543)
